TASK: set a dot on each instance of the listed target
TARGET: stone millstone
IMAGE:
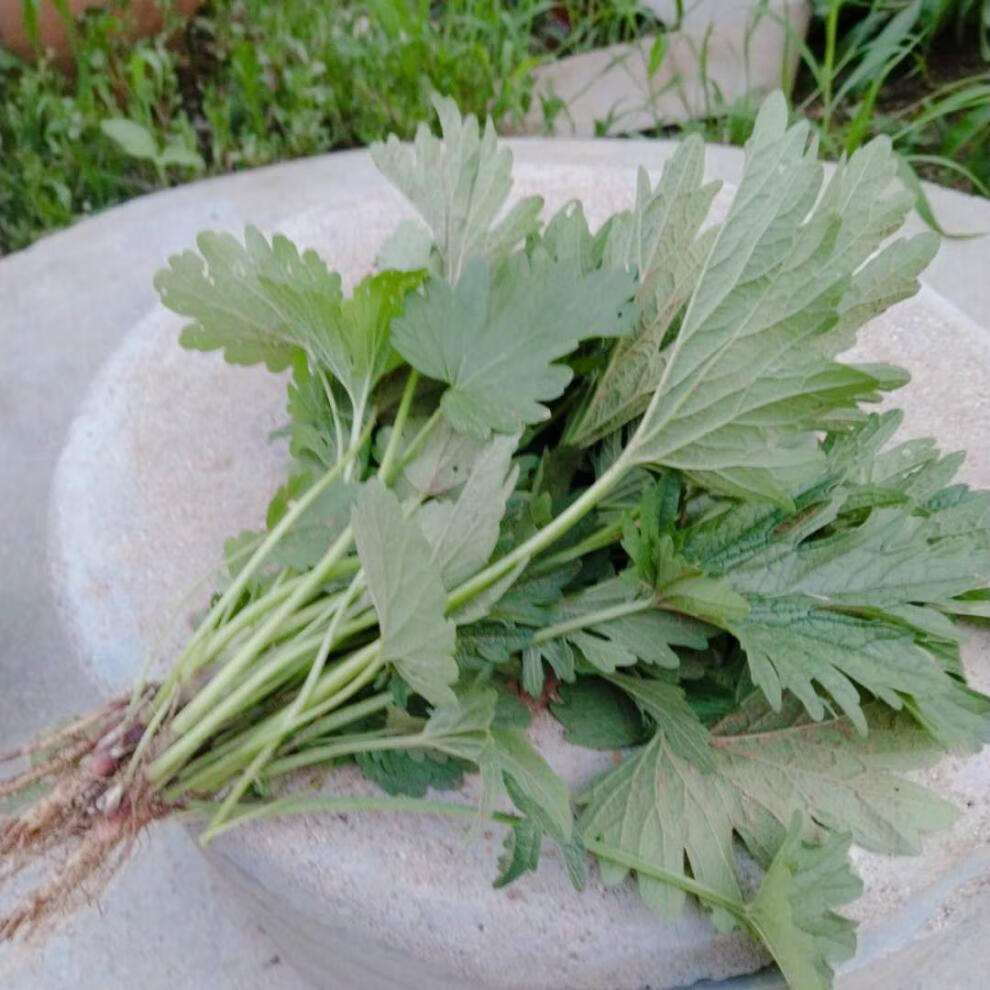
(170, 454)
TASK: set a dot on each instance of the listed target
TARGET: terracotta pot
(145, 19)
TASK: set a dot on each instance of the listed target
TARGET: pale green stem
(209, 772)
(603, 537)
(331, 638)
(344, 747)
(181, 668)
(301, 805)
(540, 540)
(306, 616)
(341, 682)
(142, 681)
(332, 689)
(345, 716)
(356, 430)
(417, 441)
(207, 712)
(593, 619)
(278, 667)
(304, 501)
(398, 425)
(257, 609)
(298, 704)
(215, 703)
(368, 742)
(338, 747)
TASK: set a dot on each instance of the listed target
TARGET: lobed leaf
(257, 302)
(597, 716)
(261, 302)
(493, 337)
(659, 240)
(411, 772)
(665, 703)
(462, 533)
(793, 911)
(838, 606)
(459, 184)
(667, 811)
(407, 592)
(522, 851)
(749, 376)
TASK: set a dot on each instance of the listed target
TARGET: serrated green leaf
(411, 772)
(407, 592)
(675, 582)
(913, 471)
(793, 910)
(831, 615)
(749, 377)
(557, 653)
(494, 642)
(257, 302)
(459, 184)
(312, 437)
(659, 240)
(522, 852)
(571, 848)
(661, 808)
(611, 625)
(647, 634)
(495, 335)
(462, 728)
(455, 736)
(666, 705)
(603, 653)
(357, 347)
(512, 761)
(312, 533)
(893, 558)
(261, 302)
(597, 715)
(567, 237)
(462, 533)
(444, 460)
(408, 248)
(792, 645)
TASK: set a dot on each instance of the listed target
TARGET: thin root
(82, 829)
(62, 761)
(74, 728)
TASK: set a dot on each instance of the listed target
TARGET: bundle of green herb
(619, 471)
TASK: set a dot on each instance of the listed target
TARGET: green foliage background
(249, 82)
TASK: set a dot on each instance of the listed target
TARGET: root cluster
(75, 822)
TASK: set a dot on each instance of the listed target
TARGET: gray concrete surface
(65, 304)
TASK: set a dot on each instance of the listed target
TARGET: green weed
(249, 82)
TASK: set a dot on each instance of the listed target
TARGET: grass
(249, 82)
